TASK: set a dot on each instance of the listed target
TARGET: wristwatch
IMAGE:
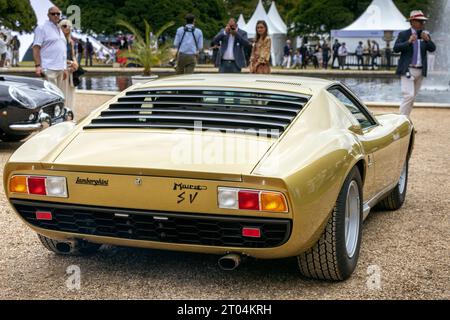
(37, 65)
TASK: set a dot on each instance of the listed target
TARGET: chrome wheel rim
(402, 181)
(352, 217)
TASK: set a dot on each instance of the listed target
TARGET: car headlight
(22, 97)
(53, 89)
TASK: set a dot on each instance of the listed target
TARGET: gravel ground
(410, 247)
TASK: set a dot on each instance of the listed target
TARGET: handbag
(77, 75)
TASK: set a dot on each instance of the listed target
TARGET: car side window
(364, 121)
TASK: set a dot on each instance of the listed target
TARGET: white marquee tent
(380, 16)
(277, 33)
(241, 22)
(275, 17)
(40, 8)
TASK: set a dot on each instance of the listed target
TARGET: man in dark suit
(232, 41)
(413, 44)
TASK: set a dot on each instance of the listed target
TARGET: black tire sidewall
(346, 264)
(402, 196)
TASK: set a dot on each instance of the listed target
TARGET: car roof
(281, 83)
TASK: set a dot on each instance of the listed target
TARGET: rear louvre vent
(253, 112)
(280, 82)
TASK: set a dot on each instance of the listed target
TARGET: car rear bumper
(151, 229)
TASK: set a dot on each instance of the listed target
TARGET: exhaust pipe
(67, 247)
(229, 262)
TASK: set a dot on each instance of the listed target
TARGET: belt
(229, 61)
(414, 67)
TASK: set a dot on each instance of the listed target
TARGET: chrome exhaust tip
(66, 247)
(229, 262)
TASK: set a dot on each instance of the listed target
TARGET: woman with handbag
(72, 64)
(260, 58)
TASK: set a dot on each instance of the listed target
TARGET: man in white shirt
(342, 53)
(233, 42)
(50, 49)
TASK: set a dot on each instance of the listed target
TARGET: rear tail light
(255, 200)
(249, 200)
(38, 185)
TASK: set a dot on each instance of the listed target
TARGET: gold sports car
(234, 165)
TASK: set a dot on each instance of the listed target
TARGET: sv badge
(189, 196)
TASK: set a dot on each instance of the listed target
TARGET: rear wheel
(396, 198)
(334, 257)
(13, 137)
(70, 248)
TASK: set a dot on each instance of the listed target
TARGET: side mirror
(356, 128)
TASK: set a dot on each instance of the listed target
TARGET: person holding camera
(413, 44)
(233, 41)
(189, 41)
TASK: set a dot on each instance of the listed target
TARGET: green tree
(308, 16)
(101, 16)
(17, 15)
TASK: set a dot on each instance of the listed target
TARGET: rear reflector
(44, 215)
(251, 232)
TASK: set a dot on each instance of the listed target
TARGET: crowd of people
(58, 56)
(336, 56)
(230, 50)
(9, 51)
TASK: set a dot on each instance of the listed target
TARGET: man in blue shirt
(189, 41)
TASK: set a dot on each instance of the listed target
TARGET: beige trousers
(410, 89)
(69, 92)
(55, 77)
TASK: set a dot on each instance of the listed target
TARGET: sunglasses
(65, 26)
(55, 13)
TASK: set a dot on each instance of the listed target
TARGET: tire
(13, 137)
(396, 198)
(331, 259)
(76, 248)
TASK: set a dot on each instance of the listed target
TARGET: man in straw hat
(413, 44)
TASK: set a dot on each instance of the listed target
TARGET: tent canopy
(381, 15)
(276, 30)
(260, 14)
(241, 22)
(275, 17)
